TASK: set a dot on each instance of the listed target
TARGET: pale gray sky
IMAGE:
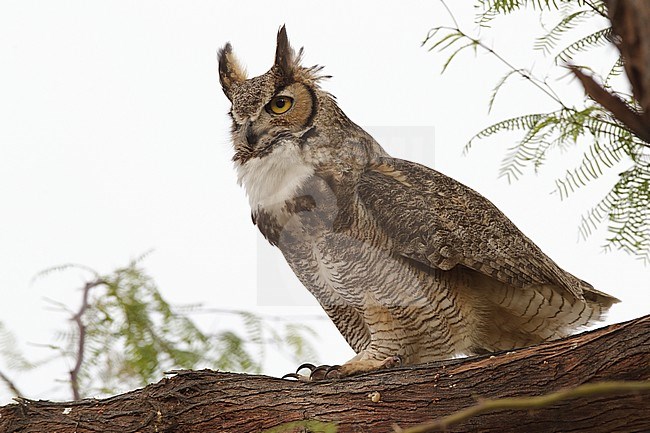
(113, 141)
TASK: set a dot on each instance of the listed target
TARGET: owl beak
(249, 134)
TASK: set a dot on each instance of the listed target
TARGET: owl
(410, 265)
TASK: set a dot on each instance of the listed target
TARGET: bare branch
(11, 385)
(614, 104)
(81, 343)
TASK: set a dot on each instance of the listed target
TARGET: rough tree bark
(208, 401)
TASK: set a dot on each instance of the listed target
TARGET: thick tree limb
(206, 401)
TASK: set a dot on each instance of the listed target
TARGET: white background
(114, 140)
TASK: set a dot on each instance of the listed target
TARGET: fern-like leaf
(515, 123)
(617, 69)
(550, 40)
(490, 9)
(500, 84)
(629, 217)
(596, 39)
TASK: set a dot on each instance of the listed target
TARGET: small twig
(595, 9)
(81, 344)
(521, 72)
(528, 76)
(613, 104)
(451, 14)
(11, 385)
(488, 405)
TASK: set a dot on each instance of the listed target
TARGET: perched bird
(410, 265)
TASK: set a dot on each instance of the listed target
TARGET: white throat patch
(275, 177)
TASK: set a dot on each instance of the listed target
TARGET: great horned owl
(409, 264)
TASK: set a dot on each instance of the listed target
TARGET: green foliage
(605, 142)
(551, 39)
(11, 355)
(627, 208)
(491, 9)
(614, 72)
(125, 335)
(596, 39)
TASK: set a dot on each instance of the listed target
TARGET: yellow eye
(280, 104)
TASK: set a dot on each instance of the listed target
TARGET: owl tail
(517, 317)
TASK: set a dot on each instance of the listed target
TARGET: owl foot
(351, 368)
(316, 373)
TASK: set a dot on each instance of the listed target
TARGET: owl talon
(316, 373)
(336, 369)
(319, 373)
(307, 365)
(293, 376)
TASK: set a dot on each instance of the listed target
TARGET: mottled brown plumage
(406, 261)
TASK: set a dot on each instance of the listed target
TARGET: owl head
(278, 105)
(286, 130)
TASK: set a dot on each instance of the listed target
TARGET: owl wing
(441, 223)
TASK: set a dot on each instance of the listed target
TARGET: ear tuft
(230, 71)
(285, 56)
(288, 63)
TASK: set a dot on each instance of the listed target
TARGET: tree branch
(207, 401)
(614, 104)
(523, 73)
(81, 343)
(10, 384)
